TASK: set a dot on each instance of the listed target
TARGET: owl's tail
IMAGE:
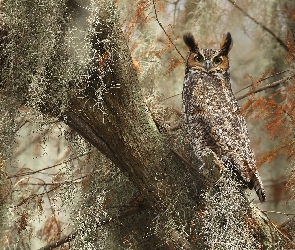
(258, 186)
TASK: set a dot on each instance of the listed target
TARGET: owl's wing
(213, 120)
(229, 130)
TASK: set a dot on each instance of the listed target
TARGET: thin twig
(169, 38)
(56, 186)
(181, 241)
(271, 85)
(55, 165)
(61, 183)
(280, 41)
(70, 237)
(277, 212)
(60, 242)
(276, 228)
(288, 114)
(284, 71)
(169, 97)
(53, 212)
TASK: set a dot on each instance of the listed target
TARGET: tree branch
(40, 170)
(73, 235)
(265, 78)
(279, 40)
(60, 242)
(169, 38)
(84, 129)
(268, 86)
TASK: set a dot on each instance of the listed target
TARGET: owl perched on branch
(211, 113)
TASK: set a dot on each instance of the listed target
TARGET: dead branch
(277, 212)
(265, 78)
(40, 170)
(169, 38)
(181, 241)
(60, 242)
(76, 180)
(73, 235)
(268, 86)
(269, 221)
(280, 41)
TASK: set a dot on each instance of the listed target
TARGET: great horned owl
(211, 113)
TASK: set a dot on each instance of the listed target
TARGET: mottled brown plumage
(211, 113)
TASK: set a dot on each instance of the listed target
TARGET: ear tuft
(189, 40)
(226, 44)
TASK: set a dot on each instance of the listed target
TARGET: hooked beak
(207, 65)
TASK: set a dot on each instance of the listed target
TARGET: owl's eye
(217, 60)
(198, 58)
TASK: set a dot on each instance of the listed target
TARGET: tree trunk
(126, 133)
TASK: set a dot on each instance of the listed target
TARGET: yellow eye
(217, 60)
(198, 58)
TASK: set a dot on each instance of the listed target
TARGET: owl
(212, 115)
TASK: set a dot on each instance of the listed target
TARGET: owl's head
(207, 60)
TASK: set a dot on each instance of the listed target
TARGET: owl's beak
(207, 65)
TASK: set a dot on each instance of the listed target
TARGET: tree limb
(73, 235)
(76, 122)
(60, 242)
(268, 86)
(279, 40)
(169, 38)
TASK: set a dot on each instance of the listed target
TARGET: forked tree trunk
(127, 134)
